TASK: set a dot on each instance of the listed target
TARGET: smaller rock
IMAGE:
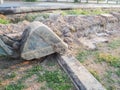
(72, 29)
(99, 40)
(57, 32)
(69, 34)
(68, 40)
(102, 34)
(65, 30)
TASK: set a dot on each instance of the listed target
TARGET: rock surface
(4, 49)
(38, 40)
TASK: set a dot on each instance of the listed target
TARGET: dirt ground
(27, 75)
(104, 63)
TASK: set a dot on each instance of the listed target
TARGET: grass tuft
(4, 21)
(114, 44)
(15, 87)
(56, 80)
(118, 72)
(112, 60)
(95, 74)
(11, 75)
(83, 12)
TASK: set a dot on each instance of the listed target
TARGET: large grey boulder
(4, 49)
(38, 40)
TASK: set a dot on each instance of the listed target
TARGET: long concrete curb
(80, 76)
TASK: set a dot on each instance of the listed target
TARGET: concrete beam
(81, 77)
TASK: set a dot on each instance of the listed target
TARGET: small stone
(72, 29)
(68, 40)
(38, 41)
(69, 34)
(102, 34)
(99, 40)
(65, 30)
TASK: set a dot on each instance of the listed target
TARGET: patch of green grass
(3, 21)
(95, 74)
(11, 75)
(33, 70)
(112, 60)
(19, 86)
(118, 72)
(82, 56)
(97, 11)
(84, 12)
(108, 77)
(56, 80)
(31, 17)
(111, 88)
(0, 80)
(114, 44)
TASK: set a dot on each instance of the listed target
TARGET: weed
(4, 21)
(0, 80)
(10, 75)
(97, 11)
(94, 73)
(112, 60)
(19, 86)
(43, 88)
(31, 17)
(83, 12)
(108, 77)
(56, 80)
(111, 88)
(118, 72)
(114, 44)
(33, 70)
(83, 56)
